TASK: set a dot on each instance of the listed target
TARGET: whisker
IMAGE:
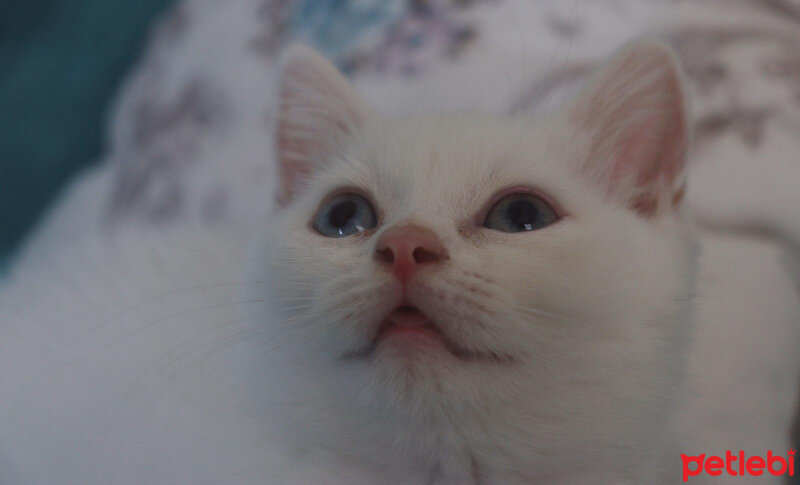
(172, 382)
(294, 320)
(550, 315)
(208, 374)
(174, 349)
(157, 322)
(162, 296)
(247, 333)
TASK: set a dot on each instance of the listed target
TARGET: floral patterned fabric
(191, 132)
(210, 70)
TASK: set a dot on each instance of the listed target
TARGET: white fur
(228, 366)
(592, 374)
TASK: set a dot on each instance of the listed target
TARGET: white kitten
(562, 345)
(446, 300)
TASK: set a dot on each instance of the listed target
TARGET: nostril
(422, 256)
(384, 255)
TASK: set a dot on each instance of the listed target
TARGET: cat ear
(317, 110)
(635, 113)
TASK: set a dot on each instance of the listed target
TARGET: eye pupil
(342, 213)
(522, 214)
(345, 215)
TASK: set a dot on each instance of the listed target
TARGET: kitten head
(514, 290)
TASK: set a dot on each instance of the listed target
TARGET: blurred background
(60, 64)
(192, 76)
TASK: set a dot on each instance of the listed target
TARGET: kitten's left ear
(317, 111)
(635, 113)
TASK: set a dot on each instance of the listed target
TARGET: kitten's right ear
(317, 110)
(635, 112)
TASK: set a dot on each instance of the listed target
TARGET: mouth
(408, 321)
(409, 328)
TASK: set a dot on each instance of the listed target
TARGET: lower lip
(405, 330)
(414, 332)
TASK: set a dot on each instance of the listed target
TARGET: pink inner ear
(293, 167)
(652, 157)
(299, 136)
(635, 112)
(653, 151)
(317, 110)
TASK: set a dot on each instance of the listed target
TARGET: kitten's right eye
(345, 215)
(520, 213)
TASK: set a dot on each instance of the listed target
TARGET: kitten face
(525, 346)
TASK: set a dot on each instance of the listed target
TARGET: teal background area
(61, 62)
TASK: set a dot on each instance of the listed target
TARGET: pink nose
(407, 248)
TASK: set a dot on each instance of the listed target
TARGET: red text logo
(737, 465)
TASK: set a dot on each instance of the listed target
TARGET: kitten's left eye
(520, 213)
(345, 215)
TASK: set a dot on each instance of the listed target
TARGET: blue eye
(520, 213)
(345, 215)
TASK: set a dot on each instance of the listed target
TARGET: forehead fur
(455, 162)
